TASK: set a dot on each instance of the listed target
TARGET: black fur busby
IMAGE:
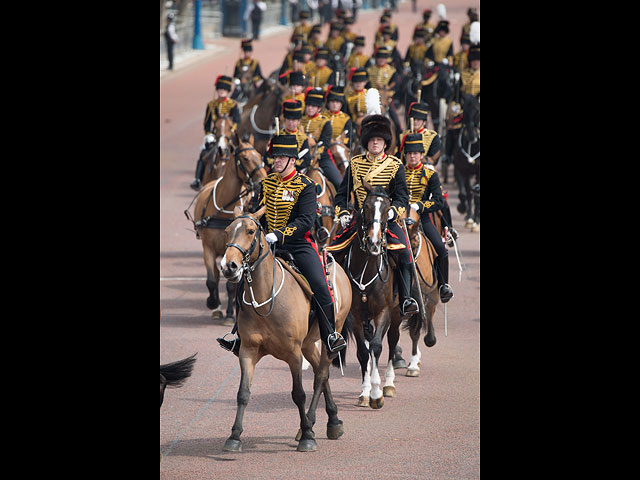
(335, 93)
(224, 82)
(315, 97)
(292, 109)
(284, 146)
(412, 143)
(375, 126)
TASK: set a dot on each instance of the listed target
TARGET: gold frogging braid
(280, 197)
(361, 166)
(224, 107)
(417, 180)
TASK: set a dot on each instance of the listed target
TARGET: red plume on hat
(351, 72)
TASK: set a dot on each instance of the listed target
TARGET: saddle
(290, 264)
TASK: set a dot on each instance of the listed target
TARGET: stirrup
(227, 344)
(333, 339)
(409, 307)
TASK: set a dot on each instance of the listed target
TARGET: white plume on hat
(474, 32)
(372, 102)
(442, 11)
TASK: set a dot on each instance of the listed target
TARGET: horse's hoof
(229, 322)
(216, 314)
(475, 227)
(468, 223)
(363, 401)
(389, 391)
(377, 403)
(400, 363)
(232, 445)
(307, 445)
(429, 342)
(335, 431)
(299, 435)
(413, 373)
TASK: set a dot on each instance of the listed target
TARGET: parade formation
(321, 194)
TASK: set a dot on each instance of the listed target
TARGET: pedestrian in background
(294, 10)
(254, 12)
(171, 37)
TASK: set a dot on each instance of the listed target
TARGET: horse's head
(243, 235)
(374, 215)
(471, 117)
(223, 129)
(413, 227)
(249, 165)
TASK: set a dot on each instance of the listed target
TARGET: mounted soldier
(432, 143)
(290, 200)
(426, 196)
(339, 120)
(246, 68)
(317, 126)
(292, 113)
(378, 169)
(218, 107)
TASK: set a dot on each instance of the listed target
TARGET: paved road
(431, 429)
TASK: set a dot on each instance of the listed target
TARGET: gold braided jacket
(357, 60)
(470, 81)
(219, 107)
(280, 197)
(417, 181)
(441, 47)
(313, 127)
(338, 122)
(319, 76)
(379, 77)
(361, 165)
(417, 52)
(355, 103)
(334, 44)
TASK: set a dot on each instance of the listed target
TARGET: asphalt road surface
(431, 429)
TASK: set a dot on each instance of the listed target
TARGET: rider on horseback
(425, 196)
(317, 125)
(215, 108)
(379, 169)
(244, 63)
(430, 138)
(292, 113)
(290, 199)
(339, 120)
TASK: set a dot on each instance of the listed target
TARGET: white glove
(345, 220)
(392, 213)
(415, 206)
(271, 238)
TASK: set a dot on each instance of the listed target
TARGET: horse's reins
(467, 154)
(247, 268)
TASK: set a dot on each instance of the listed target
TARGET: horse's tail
(347, 332)
(177, 372)
(415, 324)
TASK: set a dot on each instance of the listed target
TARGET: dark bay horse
(213, 212)
(259, 112)
(373, 304)
(279, 325)
(466, 161)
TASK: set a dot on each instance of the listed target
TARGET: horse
(424, 254)
(279, 325)
(340, 153)
(324, 225)
(212, 213)
(216, 157)
(368, 266)
(258, 113)
(437, 88)
(466, 161)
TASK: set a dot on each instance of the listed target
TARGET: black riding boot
(333, 340)
(231, 345)
(408, 305)
(198, 179)
(446, 292)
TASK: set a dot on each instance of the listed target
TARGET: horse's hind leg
(247, 366)
(393, 335)
(307, 442)
(363, 358)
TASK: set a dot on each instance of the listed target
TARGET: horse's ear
(237, 211)
(365, 185)
(258, 215)
(251, 139)
(237, 138)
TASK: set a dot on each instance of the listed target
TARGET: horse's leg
(462, 197)
(393, 336)
(248, 360)
(231, 293)
(307, 442)
(376, 399)
(365, 367)
(413, 370)
(213, 274)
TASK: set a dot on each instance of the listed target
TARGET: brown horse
(424, 254)
(324, 228)
(340, 152)
(279, 325)
(213, 211)
(218, 156)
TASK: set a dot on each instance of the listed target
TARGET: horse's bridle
(247, 268)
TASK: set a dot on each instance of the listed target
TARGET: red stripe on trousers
(307, 237)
